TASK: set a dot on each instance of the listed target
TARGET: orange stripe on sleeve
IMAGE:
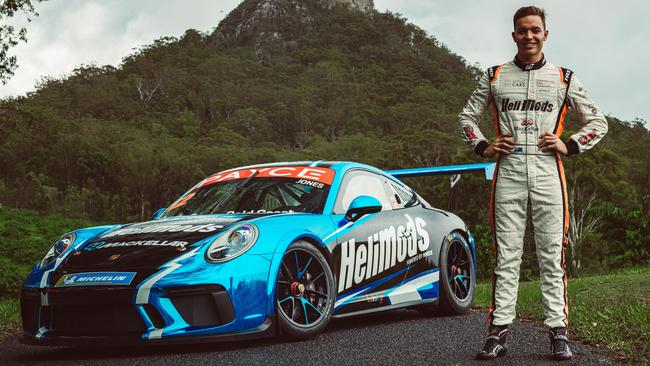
(561, 75)
(495, 119)
(496, 73)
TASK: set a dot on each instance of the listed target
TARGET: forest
(113, 144)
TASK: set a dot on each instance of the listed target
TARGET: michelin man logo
(70, 280)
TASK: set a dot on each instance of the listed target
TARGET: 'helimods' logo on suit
(525, 105)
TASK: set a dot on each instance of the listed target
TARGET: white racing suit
(528, 100)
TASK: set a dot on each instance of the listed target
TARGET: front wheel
(304, 292)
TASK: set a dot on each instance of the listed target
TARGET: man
(529, 98)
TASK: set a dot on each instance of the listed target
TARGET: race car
(251, 252)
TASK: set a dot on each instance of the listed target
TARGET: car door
(421, 276)
(366, 257)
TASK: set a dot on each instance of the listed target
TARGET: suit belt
(523, 149)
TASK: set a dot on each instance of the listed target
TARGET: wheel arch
(472, 246)
(319, 245)
(276, 259)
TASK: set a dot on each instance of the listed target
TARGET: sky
(606, 43)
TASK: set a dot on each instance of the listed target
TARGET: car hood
(148, 244)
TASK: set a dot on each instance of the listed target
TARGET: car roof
(338, 166)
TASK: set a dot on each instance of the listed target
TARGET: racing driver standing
(529, 98)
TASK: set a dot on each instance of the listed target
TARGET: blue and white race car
(251, 252)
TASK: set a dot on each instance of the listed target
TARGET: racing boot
(560, 344)
(495, 344)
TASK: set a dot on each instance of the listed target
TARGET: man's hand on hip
(550, 142)
(502, 145)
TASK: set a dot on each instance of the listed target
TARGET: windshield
(257, 191)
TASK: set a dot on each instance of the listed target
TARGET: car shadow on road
(379, 319)
(39, 354)
(122, 352)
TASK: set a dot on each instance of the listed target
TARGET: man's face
(530, 35)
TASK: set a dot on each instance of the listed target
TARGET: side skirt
(387, 307)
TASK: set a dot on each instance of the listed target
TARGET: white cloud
(604, 41)
(74, 32)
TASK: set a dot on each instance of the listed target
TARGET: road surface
(400, 337)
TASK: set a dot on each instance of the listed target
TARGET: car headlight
(58, 248)
(232, 243)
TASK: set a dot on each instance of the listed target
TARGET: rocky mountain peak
(273, 25)
(361, 5)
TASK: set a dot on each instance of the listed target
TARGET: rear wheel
(304, 292)
(457, 276)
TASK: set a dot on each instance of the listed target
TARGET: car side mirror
(156, 215)
(361, 206)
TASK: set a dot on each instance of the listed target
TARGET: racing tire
(457, 277)
(305, 292)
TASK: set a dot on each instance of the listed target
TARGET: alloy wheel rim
(458, 271)
(302, 292)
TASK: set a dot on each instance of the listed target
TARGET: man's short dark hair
(529, 10)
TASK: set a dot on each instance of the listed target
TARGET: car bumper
(192, 304)
(267, 329)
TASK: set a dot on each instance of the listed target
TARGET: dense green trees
(114, 144)
(10, 36)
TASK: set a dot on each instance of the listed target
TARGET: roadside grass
(608, 310)
(25, 237)
(9, 318)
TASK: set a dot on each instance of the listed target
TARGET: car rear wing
(486, 168)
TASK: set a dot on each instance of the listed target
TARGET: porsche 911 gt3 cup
(252, 252)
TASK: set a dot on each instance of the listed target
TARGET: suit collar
(527, 67)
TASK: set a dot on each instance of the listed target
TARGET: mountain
(283, 80)
(280, 22)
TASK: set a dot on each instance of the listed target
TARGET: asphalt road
(400, 337)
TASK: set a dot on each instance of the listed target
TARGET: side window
(361, 183)
(401, 196)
